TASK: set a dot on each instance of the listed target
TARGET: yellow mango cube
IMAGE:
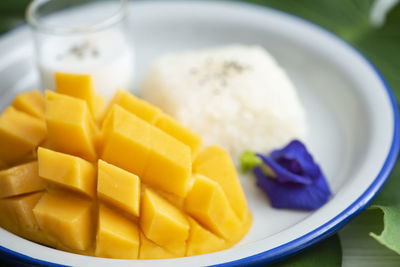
(216, 164)
(70, 126)
(169, 164)
(67, 171)
(98, 107)
(138, 188)
(21, 179)
(126, 141)
(20, 134)
(31, 102)
(66, 218)
(175, 129)
(16, 216)
(151, 251)
(117, 237)
(118, 187)
(136, 106)
(16, 213)
(77, 85)
(207, 203)
(202, 241)
(171, 198)
(163, 223)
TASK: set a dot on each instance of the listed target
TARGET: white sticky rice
(235, 96)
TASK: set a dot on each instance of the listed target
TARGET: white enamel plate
(352, 113)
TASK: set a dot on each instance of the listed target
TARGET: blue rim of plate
(325, 230)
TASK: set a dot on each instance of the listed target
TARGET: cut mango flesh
(216, 164)
(20, 134)
(128, 191)
(136, 106)
(180, 132)
(171, 198)
(126, 141)
(154, 115)
(76, 85)
(202, 241)
(119, 187)
(136, 146)
(31, 102)
(70, 126)
(117, 237)
(207, 203)
(66, 218)
(150, 250)
(164, 224)
(169, 164)
(20, 219)
(98, 107)
(19, 209)
(68, 171)
(20, 180)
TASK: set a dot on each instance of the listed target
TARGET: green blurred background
(379, 39)
(12, 13)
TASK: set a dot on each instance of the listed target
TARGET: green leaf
(16, 7)
(327, 253)
(388, 201)
(390, 236)
(360, 249)
(347, 18)
(382, 47)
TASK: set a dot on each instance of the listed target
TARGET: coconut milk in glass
(84, 37)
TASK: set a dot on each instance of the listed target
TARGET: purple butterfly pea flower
(293, 180)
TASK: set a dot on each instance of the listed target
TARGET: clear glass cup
(86, 37)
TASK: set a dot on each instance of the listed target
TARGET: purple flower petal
(282, 174)
(295, 158)
(298, 181)
(292, 195)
